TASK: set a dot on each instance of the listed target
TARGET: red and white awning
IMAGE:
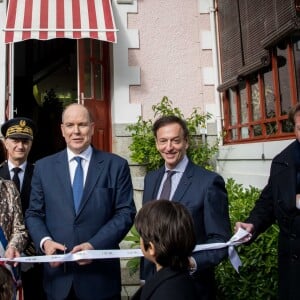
(49, 19)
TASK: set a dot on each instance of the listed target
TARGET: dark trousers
(32, 282)
(72, 296)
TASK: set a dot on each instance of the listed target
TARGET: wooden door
(93, 88)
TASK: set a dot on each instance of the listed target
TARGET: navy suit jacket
(105, 215)
(203, 193)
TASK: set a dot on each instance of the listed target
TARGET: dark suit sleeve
(277, 199)
(216, 223)
(35, 214)
(262, 215)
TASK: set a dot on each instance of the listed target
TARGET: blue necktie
(78, 183)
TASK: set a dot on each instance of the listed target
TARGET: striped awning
(49, 19)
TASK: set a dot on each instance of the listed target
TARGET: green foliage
(133, 237)
(257, 278)
(143, 149)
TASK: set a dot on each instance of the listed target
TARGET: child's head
(167, 232)
(6, 284)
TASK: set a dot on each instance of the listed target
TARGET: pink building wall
(172, 55)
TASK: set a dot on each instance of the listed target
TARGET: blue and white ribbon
(236, 240)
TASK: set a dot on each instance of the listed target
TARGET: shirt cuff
(43, 241)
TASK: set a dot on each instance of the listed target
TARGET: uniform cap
(18, 128)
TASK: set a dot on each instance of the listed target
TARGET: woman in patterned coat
(13, 235)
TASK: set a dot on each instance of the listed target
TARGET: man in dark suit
(279, 203)
(18, 135)
(99, 220)
(201, 191)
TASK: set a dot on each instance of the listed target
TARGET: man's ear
(151, 249)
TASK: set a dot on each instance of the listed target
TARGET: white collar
(11, 165)
(86, 154)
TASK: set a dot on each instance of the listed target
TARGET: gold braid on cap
(19, 128)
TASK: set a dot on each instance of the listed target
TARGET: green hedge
(258, 276)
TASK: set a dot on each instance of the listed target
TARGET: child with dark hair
(7, 285)
(167, 239)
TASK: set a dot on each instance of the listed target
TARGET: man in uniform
(18, 136)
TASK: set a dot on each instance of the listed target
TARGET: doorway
(48, 75)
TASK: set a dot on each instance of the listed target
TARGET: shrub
(133, 264)
(258, 276)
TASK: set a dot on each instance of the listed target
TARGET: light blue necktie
(78, 183)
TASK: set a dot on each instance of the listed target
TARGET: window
(257, 108)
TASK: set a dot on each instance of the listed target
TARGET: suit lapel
(289, 180)
(284, 179)
(184, 182)
(94, 171)
(61, 166)
(26, 186)
(159, 177)
(27, 177)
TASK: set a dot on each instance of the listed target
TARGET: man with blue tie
(18, 136)
(81, 199)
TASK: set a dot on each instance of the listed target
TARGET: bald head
(76, 107)
(77, 127)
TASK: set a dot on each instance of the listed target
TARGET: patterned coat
(11, 217)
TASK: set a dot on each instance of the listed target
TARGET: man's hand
(246, 226)
(81, 247)
(193, 265)
(12, 252)
(50, 247)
